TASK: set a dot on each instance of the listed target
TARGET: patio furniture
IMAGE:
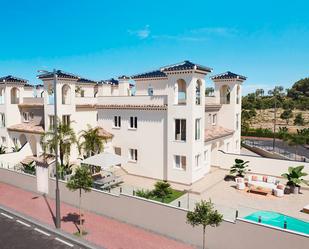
(258, 189)
(306, 209)
(268, 182)
(240, 183)
(279, 190)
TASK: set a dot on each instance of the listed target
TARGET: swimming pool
(277, 220)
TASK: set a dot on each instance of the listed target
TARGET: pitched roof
(84, 80)
(161, 73)
(152, 74)
(216, 132)
(228, 75)
(104, 133)
(186, 65)
(27, 127)
(60, 74)
(12, 79)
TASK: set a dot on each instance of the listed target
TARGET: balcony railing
(133, 100)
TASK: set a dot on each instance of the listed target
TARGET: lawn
(175, 195)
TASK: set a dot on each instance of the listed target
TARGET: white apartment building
(167, 128)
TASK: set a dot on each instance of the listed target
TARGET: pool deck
(227, 198)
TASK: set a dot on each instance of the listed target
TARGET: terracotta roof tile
(216, 132)
(27, 127)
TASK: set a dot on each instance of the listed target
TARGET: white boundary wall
(260, 165)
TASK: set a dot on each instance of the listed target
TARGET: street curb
(61, 233)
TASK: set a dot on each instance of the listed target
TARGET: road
(16, 233)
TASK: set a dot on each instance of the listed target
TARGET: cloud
(141, 33)
(179, 38)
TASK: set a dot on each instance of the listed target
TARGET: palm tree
(64, 138)
(90, 141)
(240, 167)
(204, 214)
(81, 180)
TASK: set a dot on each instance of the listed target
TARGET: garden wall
(171, 221)
(260, 165)
(167, 220)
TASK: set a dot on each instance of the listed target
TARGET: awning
(104, 160)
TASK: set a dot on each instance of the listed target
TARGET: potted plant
(294, 177)
(240, 168)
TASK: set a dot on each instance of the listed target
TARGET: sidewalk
(103, 231)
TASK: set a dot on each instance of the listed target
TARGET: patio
(226, 197)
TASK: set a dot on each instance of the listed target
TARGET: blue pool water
(277, 220)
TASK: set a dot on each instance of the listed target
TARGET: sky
(267, 41)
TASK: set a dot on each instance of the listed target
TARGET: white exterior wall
(160, 86)
(149, 139)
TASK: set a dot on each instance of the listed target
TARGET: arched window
(198, 92)
(180, 91)
(66, 95)
(238, 95)
(225, 95)
(1, 96)
(14, 95)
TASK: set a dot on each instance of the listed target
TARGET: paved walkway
(103, 231)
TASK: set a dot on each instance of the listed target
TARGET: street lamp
(58, 222)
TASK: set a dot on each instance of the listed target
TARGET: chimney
(124, 85)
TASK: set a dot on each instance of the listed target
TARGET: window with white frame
(198, 160)
(180, 129)
(133, 155)
(2, 121)
(209, 118)
(26, 117)
(66, 119)
(214, 119)
(180, 162)
(133, 122)
(197, 129)
(237, 121)
(51, 122)
(117, 121)
(205, 156)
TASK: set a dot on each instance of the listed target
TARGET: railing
(133, 100)
(85, 100)
(32, 100)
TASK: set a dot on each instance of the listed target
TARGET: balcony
(31, 101)
(158, 100)
(82, 101)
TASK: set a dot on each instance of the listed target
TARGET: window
(205, 156)
(2, 121)
(133, 155)
(238, 95)
(197, 129)
(180, 91)
(117, 121)
(117, 152)
(180, 129)
(14, 96)
(66, 119)
(66, 95)
(133, 122)
(209, 118)
(214, 119)
(82, 93)
(198, 161)
(51, 122)
(237, 121)
(26, 117)
(198, 92)
(180, 162)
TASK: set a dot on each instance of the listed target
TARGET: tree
(29, 168)
(81, 181)
(92, 142)
(299, 120)
(204, 215)
(162, 190)
(209, 91)
(295, 140)
(294, 176)
(286, 115)
(64, 138)
(240, 167)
